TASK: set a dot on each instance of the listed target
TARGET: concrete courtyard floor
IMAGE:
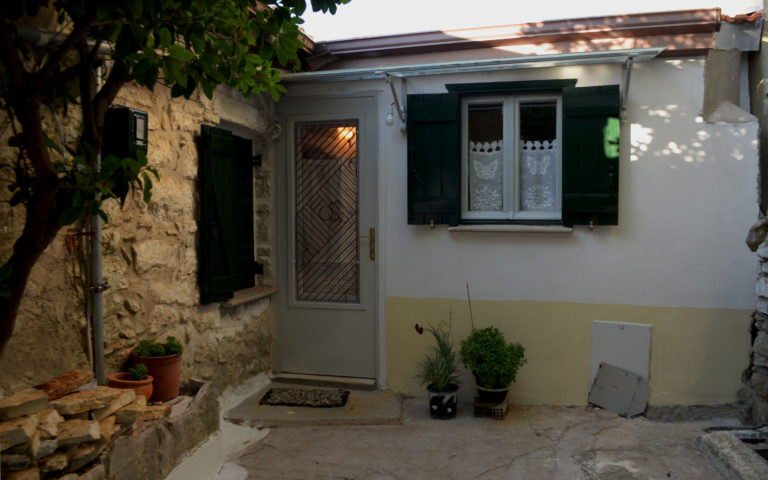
(531, 443)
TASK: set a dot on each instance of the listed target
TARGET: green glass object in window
(611, 137)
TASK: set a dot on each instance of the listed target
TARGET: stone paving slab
(375, 407)
(532, 443)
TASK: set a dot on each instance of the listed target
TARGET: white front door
(326, 323)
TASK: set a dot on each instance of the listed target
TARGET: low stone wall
(101, 432)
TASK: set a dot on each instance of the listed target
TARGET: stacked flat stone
(753, 394)
(52, 431)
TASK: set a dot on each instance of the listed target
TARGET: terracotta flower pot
(167, 373)
(123, 380)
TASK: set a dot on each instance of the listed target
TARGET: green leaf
(5, 272)
(165, 37)
(147, 190)
(71, 214)
(180, 53)
(52, 144)
(208, 86)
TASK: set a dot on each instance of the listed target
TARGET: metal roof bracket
(627, 76)
(400, 111)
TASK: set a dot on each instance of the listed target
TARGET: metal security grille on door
(327, 247)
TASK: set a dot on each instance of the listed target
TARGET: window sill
(249, 295)
(511, 229)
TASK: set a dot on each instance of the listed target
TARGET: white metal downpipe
(98, 285)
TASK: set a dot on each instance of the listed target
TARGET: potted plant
(163, 361)
(493, 362)
(136, 378)
(439, 372)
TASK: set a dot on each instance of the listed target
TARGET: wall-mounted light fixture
(390, 118)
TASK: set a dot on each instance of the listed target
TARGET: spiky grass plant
(440, 367)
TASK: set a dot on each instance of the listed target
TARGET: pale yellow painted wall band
(697, 354)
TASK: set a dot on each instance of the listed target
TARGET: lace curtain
(486, 176)
(538, 175)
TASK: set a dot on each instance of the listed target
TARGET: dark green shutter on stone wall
(434, 183)
(226, 226)
(590, 155)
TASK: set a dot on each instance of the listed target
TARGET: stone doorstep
(731, 457)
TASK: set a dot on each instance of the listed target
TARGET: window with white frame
(511, 157)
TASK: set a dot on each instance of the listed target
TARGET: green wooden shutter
(243, 184)
(591, 155)
(217, 253)
(434, 184)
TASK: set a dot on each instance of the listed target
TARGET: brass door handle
(371, 243)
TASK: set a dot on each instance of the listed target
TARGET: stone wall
(753, 395)
(150, 259)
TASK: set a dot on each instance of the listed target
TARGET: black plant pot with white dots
(442, 404)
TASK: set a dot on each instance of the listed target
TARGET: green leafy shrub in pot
(440, 367)
(152, 348)
(493, 361)
(138, 372)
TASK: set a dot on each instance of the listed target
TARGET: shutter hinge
(256, 160)
(257, 268)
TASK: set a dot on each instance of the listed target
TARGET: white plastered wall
(687, 198)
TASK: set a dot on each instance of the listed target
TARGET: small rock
(84, 453)
(46, 448)
(17, 431)
(28, 474)
(25, 402)
(53, 463)
(36, 448)
(757, 234)
(155, 412)
(48, 424)
(97, 472)
(760, 346)
(106, 427)
(125, 397)
(132, 411)
(79, 402)
(12, 462)
(72, 432)
(132, 306)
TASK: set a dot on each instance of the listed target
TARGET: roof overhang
(554, 31)
(485, 65)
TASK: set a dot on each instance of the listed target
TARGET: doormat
(300, 397)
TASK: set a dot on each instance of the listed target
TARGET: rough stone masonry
(753, 394)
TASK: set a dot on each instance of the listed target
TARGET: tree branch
(56, 58)
(106, 95)
(9, 56)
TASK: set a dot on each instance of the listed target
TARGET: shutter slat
(590, 155)
(433, 159)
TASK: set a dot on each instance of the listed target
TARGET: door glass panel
(538, 156)
(486, 157)
(327, 248)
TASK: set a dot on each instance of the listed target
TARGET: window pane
(327, 247)
(538, 156)
(485, 157)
